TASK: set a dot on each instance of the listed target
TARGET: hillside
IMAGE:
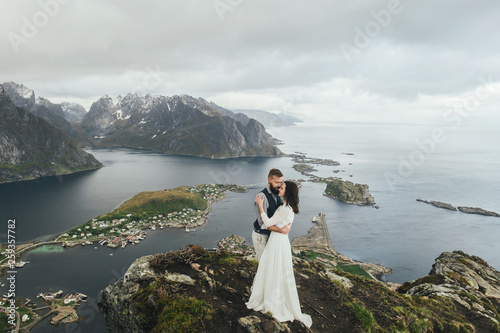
(160, 202)
(31, 147)
(193, 290)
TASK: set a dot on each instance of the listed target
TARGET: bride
(274, 289)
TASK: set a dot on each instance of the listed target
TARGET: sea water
(400, 163)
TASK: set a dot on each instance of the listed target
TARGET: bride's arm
(285, 230)
(280, 215)
(269, 223)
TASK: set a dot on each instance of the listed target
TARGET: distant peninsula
(183, 207)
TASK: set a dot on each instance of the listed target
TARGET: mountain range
(178, 124)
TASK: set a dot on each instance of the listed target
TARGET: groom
(272, 201)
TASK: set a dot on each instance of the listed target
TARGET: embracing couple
(274, 289)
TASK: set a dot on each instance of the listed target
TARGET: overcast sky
(385, 61)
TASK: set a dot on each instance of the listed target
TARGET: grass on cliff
(349, 268)
(214, 304)
(379, 309)
(170, 312)
(158, 202)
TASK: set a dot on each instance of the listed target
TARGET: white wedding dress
(274, 289)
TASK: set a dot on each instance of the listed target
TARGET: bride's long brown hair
(291, 195)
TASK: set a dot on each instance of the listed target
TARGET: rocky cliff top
(193, 290)
(468, 280)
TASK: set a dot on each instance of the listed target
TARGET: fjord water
(400, 163)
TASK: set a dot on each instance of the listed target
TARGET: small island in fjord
(348, 192)
(463, 209)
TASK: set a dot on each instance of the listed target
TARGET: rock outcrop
(193, 290)
(463, 209)
(438, 204)
(465, 279)
(30, 147)
(476, 210)
(348, 192)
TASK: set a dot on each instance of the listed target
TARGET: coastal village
(128, 229)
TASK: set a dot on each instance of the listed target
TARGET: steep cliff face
(193, 290)
(30, 147)
(178, 124)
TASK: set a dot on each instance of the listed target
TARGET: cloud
(372, 60)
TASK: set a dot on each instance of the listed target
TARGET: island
(463, 209)
(302, 158)
(305, 169)
(349, 192)
(477, 210)
(438, 204)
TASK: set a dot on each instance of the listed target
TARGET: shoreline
(318, 240)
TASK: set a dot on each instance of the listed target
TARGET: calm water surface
(403, 234)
